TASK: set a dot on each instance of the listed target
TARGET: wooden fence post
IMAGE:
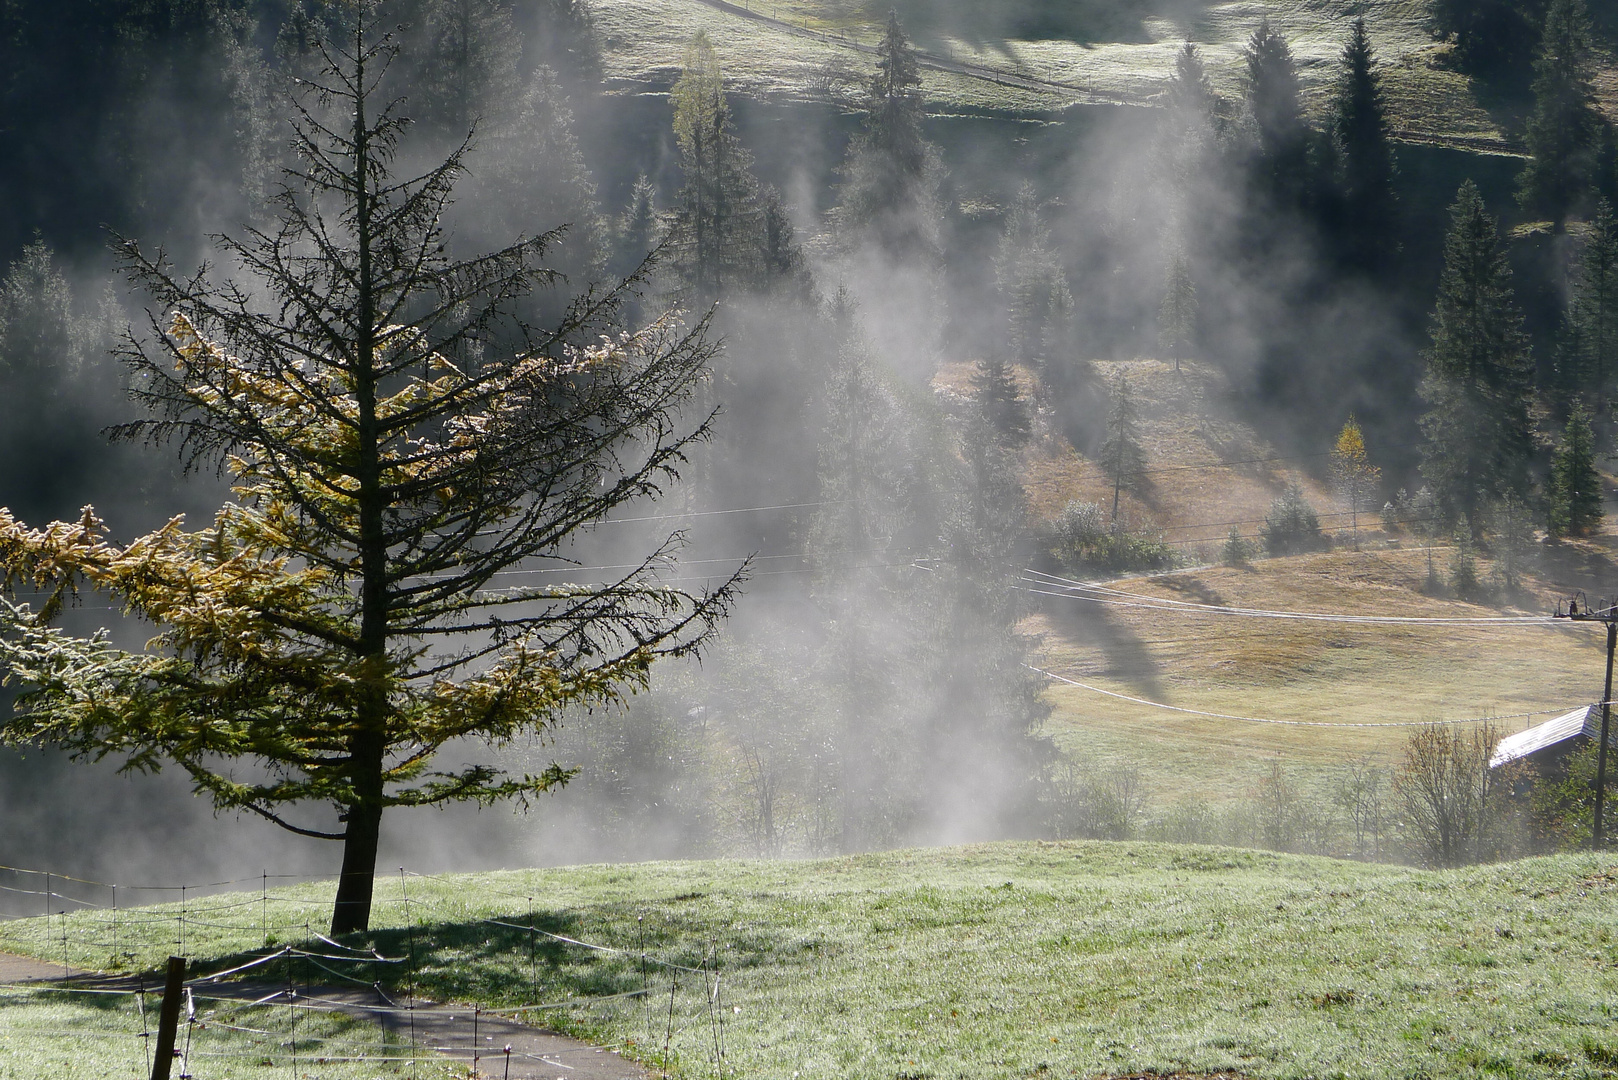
(169, 1020)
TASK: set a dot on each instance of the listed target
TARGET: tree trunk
(352, 910)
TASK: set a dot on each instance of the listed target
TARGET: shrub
(1083, 541)
(1291, 525)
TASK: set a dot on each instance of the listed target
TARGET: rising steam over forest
(914, 313)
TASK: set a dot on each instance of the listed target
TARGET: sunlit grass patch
(1031, 959)
(1429, 101)
(99, 1036)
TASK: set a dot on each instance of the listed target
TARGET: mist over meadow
(910, 304)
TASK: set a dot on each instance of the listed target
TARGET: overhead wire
(1282, 723)
(1079, 590)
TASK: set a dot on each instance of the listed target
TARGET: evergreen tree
(1368, 226)
(1275, 104)
(997, 402)
(46, 432)
(1191, 98)
(984, 704)
(1605, 182)
(1027, 274)
(1479, 379)
(782, 269)
(1564, 127)
(878, 514)
(1177, 316)
(717, 222)
(1121, 454)
(533, 178)
(1587, 352)
(561, 34)
(1494, 39)
(891, 173)
(1511, 539)
(1191, 119)
(1291, 526)
(1574, 493)
(637, 228)
(467, 66)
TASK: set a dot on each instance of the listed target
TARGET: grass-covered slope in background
(1106, 51)
(1012, 960)
(1208, 471)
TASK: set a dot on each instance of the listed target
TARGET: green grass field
(1105, 52)
(1003, 960)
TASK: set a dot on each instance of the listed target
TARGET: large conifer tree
(718, 221)
(1587, 353)
(1574, 494)
(890, 178)
(1479, 380)
(1368, 229)
(1028, 274)
(1275, 103)
(1564, 127)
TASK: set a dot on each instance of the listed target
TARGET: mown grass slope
(1207, 472)
(1012, 960)
(1093, 52)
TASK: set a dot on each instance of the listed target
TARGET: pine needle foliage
(1479, 381)
(1575, 488)
(398, 442)
(718, 220)
(1274, 100)
(1564, 127)
(997, 399)
(1121, 454)
(1177, 316)
(1587, 351)
(1367, 169)
(891, 175)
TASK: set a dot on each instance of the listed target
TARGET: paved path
(458, 1034)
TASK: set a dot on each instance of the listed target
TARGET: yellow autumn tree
(404, 450)
(1355, 476)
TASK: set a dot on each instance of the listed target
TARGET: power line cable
(1282, 723)
(1079, 590)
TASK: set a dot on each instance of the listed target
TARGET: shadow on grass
(1194, 589)
(1582, 564)
(1126, 652)
(996, 25)
(504, 960)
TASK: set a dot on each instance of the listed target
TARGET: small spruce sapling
(1121, 454)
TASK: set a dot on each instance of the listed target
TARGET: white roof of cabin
(1586, 719)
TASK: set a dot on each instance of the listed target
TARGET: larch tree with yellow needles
(1356, 477)
(400, 440)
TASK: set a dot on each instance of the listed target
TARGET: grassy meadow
(1093, 52)
(1001, 960)
(1332, 676)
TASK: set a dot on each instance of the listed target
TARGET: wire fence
(290, 996)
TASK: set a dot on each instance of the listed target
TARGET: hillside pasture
(1001, 960)
(1078, 53)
